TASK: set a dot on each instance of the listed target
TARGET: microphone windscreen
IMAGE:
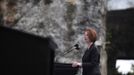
(77, 46)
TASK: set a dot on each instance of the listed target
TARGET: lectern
(25, 54)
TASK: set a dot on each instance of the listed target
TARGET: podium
(64, 69)
(25, 54)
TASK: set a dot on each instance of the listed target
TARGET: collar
(90, 45)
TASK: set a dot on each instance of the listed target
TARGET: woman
(91, 58)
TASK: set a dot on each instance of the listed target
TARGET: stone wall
(64, 21)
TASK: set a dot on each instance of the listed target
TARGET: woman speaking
(91, 58)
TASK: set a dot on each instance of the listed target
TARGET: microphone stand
(70, 49)
(76, 46)
(64, 53)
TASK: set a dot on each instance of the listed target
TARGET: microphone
(77, 47)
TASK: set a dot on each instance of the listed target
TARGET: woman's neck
(89, 45)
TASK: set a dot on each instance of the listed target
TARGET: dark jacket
(90, 61)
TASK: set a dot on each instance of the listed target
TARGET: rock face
(64, 21)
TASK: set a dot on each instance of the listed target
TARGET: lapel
(87, 52)
(91, 48)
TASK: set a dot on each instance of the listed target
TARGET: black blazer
(90, 61)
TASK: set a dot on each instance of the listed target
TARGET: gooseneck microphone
(76, 46)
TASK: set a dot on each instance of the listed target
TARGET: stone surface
(64, 21)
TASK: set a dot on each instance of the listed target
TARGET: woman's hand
(76, 64)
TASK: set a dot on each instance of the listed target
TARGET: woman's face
(86, 37)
